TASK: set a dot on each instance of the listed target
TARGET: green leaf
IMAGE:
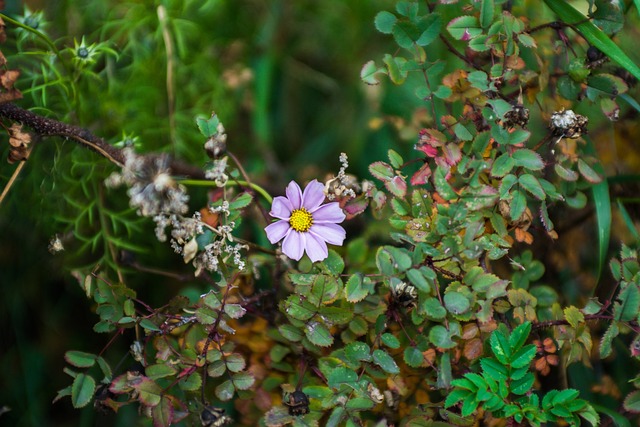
(290, 332)
(593, 34)
(603, 215)
(386, 362)
(159, 370)
(225, 391)
(353, 290)
(341, 375)
(605, 343)
(369, 71)
(390, 340)
(564, 173)
(456, 303)
(532, 185)
(80, 359)
(235, 311)
(360, 404)
(381, 170)
(162, 413)
(395, 67)
(243, 380)
(519, 336)
(241, 201)
(523, 385)
(464, 27)
(528, 159)
(487, 9)
(413, 357)
(518, 205)
(235, 362)
(433, 309)
(588, 173)
(191, 382)
(397, 186)
(430, 27)
(385, 21)
(629, 303)
(358, 351)
(502, 165)
(318, 334)
(574, 316)
(82, 390)
(334, 263)
(632, 402)
(149, 325)
(523, 357)
(442, 185)
(208, 127)
(493, 369)
(500, 347)
(440, 337)
(418, 279)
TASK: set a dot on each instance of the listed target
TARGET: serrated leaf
(384, 22)
(208, 127)
(318, 334)
(629, 303)
(574, 316)
(523, 357)
(390, 340)
(487, 9)
(163, 413)
(518, 205)
(381, 170)
(358, 351)
(456, 303)
(632, 402)
(386, 362)
(502, 165)
(225, 391)
(235, 311)
(464, 27)
(430, 27)
(80, 359)
(434, 309)
(605, 343)
(413, 357)
(341, 375)
(519, 336)
(440, 337)
(528, 159)
(369, 71)
(243, 380)
(531, 184)
(354, 291)
(82, 390)
(500, 347)
(159, 370)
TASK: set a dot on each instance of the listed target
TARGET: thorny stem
(48, 127)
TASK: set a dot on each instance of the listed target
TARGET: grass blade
(593, 34)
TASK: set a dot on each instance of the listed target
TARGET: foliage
(441, 309)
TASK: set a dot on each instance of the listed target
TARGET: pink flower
(305, 223)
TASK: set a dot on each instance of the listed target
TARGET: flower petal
(316, 248)
(277, 230)
(330, 212)
(294, 194)
(331, 233)
(313, 195)
(281, 208)
(294, 244)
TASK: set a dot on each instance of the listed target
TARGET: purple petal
(281, 208)
(277, 230)
(294, 194)
(294, 244)
(316, 248)
(313, 195)
(332, 233)
(330, 212)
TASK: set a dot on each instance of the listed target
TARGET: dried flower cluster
(152, 190)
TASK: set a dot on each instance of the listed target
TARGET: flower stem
(206, 183)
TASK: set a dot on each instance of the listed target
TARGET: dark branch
(44, 126)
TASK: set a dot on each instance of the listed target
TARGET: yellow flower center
(301, 220)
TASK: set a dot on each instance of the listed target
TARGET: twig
(14, 176)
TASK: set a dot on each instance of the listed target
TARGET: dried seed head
(567, 124)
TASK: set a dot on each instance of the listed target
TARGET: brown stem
(44, 126)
